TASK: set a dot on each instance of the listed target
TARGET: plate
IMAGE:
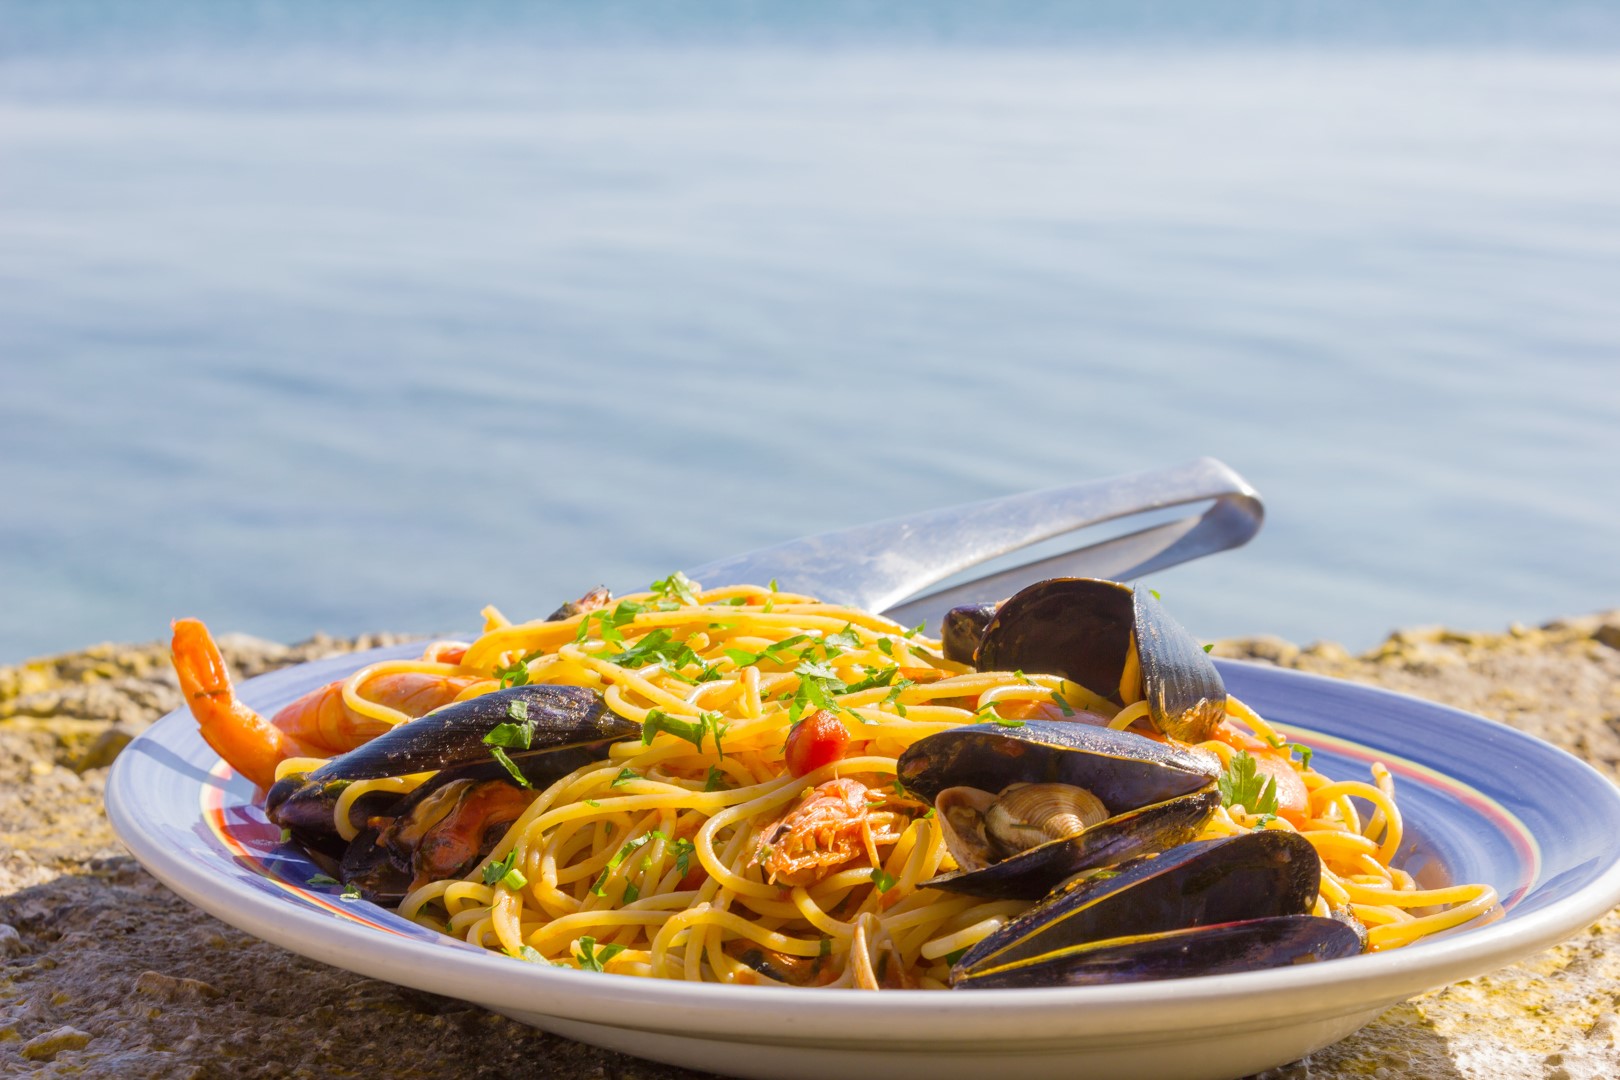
(1481, 801)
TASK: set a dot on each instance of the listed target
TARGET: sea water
(304, 333)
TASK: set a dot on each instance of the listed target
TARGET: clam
(1023, 808)
(1116, 641)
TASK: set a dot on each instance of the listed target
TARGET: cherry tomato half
(1292, 797)
(817, 739)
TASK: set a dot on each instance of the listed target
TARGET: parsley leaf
(847, 638)
(591, 958)
(776, 652)
(883, 880)
(322, 879)
(874, 680)
(683, 854)
(716, 780)
(659, 720)
(675, 587)
(517, 672)
(1241, 784)
(624, 777)
(351, 893)
(505, 872)
(529, 953)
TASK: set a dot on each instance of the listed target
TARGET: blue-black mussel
(449, 823)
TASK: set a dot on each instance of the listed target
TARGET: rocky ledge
(104, 972)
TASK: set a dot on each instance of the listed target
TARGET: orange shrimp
(318, 724)
(835, 823)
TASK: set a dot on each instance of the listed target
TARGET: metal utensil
(888, 566)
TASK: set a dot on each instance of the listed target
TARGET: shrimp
(319, 724)
(837, 821)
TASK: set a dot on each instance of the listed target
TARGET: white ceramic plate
(1482, 802)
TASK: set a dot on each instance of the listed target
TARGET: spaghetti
(756, 831)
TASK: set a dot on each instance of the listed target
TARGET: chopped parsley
(676, 587)
(691, 730)
(1060, 702)
(350, 893)
(874, 680)
(885, 646)
(591, 957)
(625, 776)
(504, 872)
(529, 953)
(517, 734)
(882, 879)
(893, 697)
(286, 835)
(1242, 785)
(322, 879)
(683, 854)
(716, 780)
(517, 672)
(608, 621)
(1006, 721)
(776, 652)
(847, 638)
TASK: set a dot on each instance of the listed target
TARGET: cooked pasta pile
(697, 853)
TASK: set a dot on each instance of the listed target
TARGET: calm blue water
(299, 332)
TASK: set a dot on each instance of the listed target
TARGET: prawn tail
(248, 742)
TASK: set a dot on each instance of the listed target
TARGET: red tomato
(1292, 798)
(817, 739)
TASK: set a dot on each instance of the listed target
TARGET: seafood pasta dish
(744, 785)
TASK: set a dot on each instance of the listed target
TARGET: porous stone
(89, 943)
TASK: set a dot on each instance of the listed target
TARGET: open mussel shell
(1157, 795)
(962, 629)
(1253, 875)
(1082, 628)
(1220, 949)
(571, 726)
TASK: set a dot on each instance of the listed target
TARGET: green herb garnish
(591, 958)
(1242, 785)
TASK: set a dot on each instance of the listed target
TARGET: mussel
(1023, 808)
(1088, 630)
(1232, 904)
(445, 826)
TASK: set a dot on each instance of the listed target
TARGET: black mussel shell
(562, 716)
(571, 725)
(1220, 949)
(1081, 629)
(1030, 875)
(1122, 769)
(962, 628)
(1249, 876)
(1185, 694)
(1157, 795)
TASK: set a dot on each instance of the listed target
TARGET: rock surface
(103, 972)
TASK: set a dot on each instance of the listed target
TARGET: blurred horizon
(359, 317)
